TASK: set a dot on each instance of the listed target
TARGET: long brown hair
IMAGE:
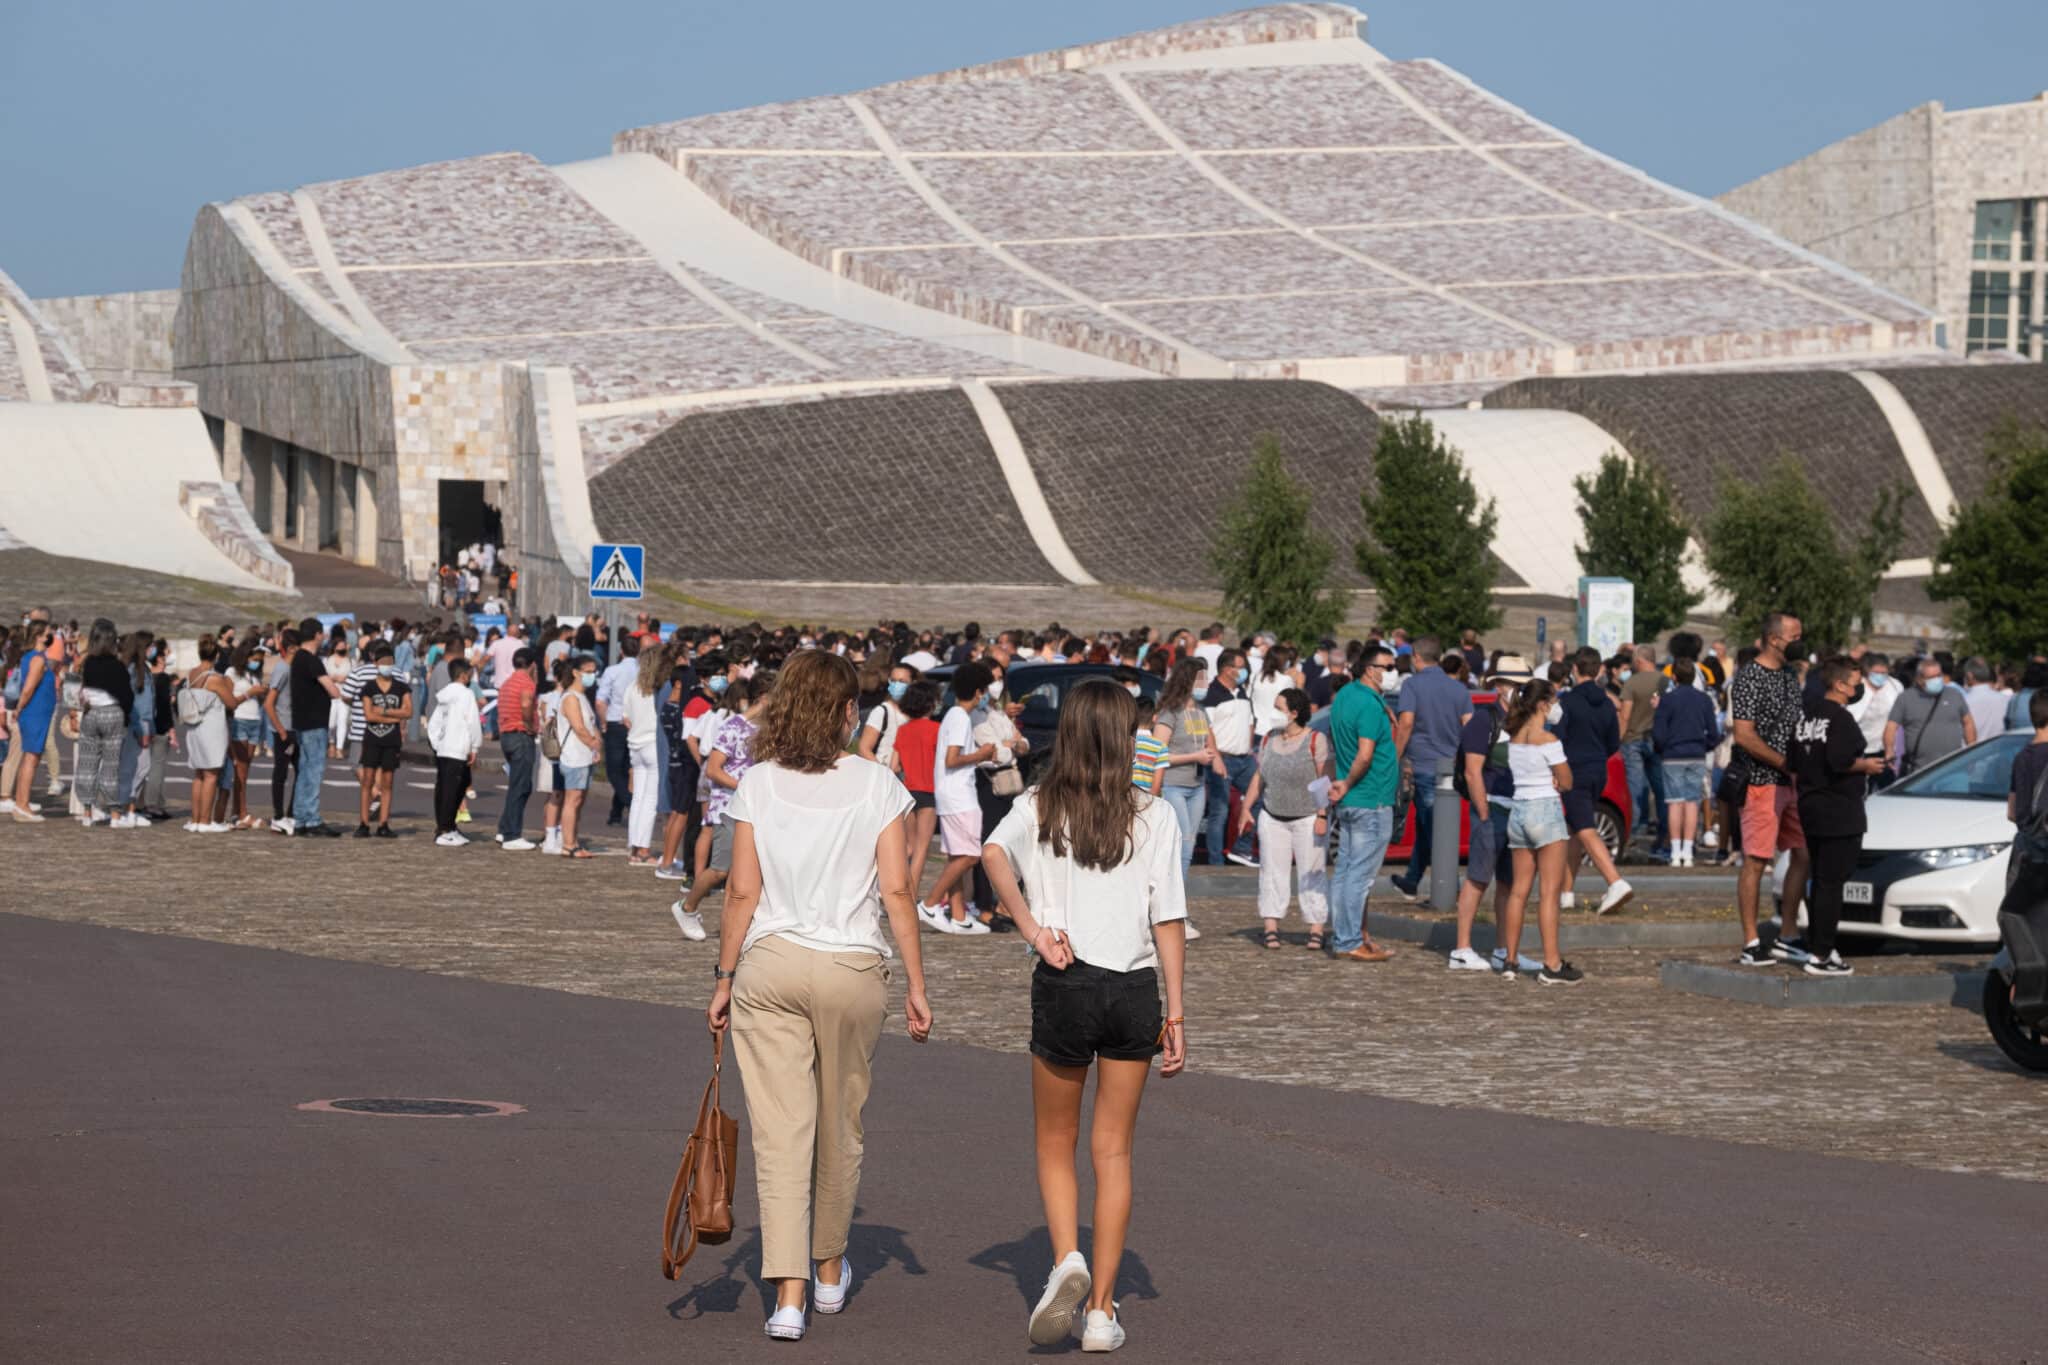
(1535, 697)
(803, 723)
(1180, 685)
(1086, 802)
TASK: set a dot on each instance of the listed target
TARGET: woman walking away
(643, 751)
(1292, 826)
(1105, 915)
(1536, 828)
(107, 697)
(817, 853)
(203, 715)
(576, 722)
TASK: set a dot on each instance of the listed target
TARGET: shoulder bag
(700, 1201)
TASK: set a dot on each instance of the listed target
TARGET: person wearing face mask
(611, 719)
(1368, 774)
(885, 720)
(1685, 731)
(1873, 709)
(998, 779)
(576, 729)
(1231, 732)
(1767, 707)
(1294, 831)
(1827, 756)
(1930, 722)
(386, 703)
(1590, 728)
(245, 726)
(1537, 831)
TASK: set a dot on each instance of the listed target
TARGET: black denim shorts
(1087, 1012)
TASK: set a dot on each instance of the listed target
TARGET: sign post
(1607, 613)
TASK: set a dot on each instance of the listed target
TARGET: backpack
(195, 704)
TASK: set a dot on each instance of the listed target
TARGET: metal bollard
(1443, 847)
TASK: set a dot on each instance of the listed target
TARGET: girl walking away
(817, 854)
(959, 813)
(1105, 915)
(1292, 826)
(1536, 829)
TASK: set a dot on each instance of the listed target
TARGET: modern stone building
(1946, 207)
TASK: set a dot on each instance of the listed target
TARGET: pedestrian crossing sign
(617, 570)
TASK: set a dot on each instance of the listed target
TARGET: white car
(1934, 854)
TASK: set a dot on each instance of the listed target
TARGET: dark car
(1042, 687)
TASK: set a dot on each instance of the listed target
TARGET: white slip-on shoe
(1053, 1319)
(693, 930)
(1468, 960)
(1103, 1332)
(831, 1298)
(786, 1324)
(1616, 897)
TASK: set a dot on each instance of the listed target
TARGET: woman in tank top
(1293, 830)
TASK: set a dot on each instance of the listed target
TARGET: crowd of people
(1303, 761)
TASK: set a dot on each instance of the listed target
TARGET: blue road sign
(1542, 631)
(617, 570)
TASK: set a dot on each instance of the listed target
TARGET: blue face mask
(1627, 673)
(384, 670)
(1934, 684)
(897, 689)
(717, 686)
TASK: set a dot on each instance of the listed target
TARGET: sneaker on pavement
(1565, 974)
(384, 832)
(7, 806)
(285, 825)
(1523, 962)
(936, 917)
(1617, 896)
(831, 1298)
(1240, 860)
(26, 817)
(786, 1324)
(516, 845)
(969, 926)
(691, 924)
(362, 831)
(1567, 900)
(669, 872)
(450, 840)
(1755, 955)
(1791, 950)
(1466, 960)
(1831, 965)
(1103, 1332)
(1053, 1319)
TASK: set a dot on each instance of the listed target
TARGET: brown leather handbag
(700, 1202)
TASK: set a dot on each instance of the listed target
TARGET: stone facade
(1897, 202)
(225, 520)
(120, 338)
(1961, 408)
(30, 342)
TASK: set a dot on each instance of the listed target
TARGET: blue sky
(119, 119)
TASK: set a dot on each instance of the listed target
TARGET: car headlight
(1939, 859)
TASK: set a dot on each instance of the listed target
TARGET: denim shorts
(1685, 779)
(1087, 1012)
(572, 779)
(1487, 859)
(1537, 824)
(248, 731)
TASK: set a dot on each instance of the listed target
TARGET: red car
(1612, 815)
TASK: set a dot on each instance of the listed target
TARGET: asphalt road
(163, 1198)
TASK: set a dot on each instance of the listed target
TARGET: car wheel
(1607, 821)
(2021, 1042)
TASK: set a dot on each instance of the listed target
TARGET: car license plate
(1856, 893)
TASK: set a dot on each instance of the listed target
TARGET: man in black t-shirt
(1832, 774)
(387, 705)
(312, 690)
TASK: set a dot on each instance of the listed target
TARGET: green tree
(1773, 546)
(1633, 530)
(1983, 558)
(1275, 570)
(1428, 545)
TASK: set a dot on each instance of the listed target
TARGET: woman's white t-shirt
(815, 836)
(1106, 916)
(1530, 766)
(888, 719)
(1266, 713)
(575, 753)
(643, 718)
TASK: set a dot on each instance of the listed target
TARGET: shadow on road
(1028, 1261)
(871, 1248)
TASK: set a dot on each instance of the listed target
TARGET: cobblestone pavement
(1922, 1084)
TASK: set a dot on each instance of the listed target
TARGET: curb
(1442, 935)
(1783, 989)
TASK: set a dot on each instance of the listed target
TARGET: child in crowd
(456, 734)
(917, 743)
(726, 761)
(958, 810)
(1105, 915)
(1148, 755)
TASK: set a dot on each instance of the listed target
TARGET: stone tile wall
(1731, 241)
(1532, 249)
(1674, 306)
(1021, 197)
(224, 519)
(1300, 326)
(612, 367)
(507, 207)
(1245, 28)
(69, 381)
(1263, 262)
(418, 305)
(1066, 112)
(1590, 179)
(1329, 189)
(1961, 406)
(1471, 111)
(118, 337)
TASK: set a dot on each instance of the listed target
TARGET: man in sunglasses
(1367, 772)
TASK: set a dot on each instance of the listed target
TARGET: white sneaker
(498, 838)
(26, 817)
(1103, 1332)
(693, 929)
(285, 826)
(1523, 962)
(517, 845)
(551, 842)
(786, 1324)
(1052, 1321)
(1467, 960)
(450, 840)
(831, 1298)
(7, 806)
(1566, 900)
(936, 917)
(1616, 897)
(1189, 931)
(969, 926)
(1709, 839)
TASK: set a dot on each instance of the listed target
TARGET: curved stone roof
(36, 364)
(1702, 428)
(1960, 408)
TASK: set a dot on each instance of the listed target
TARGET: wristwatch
(719, 973)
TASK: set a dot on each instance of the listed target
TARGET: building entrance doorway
(467, 519)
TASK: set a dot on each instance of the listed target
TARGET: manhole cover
(392, 1106)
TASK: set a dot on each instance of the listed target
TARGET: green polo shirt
(1358, 714)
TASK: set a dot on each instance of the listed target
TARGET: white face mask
(995, 690)
(1556, 714)
(1133, 689)
(1322, 659)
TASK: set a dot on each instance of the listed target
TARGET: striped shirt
(1148, 757)
(359, 677)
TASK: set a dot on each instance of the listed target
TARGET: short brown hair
(803, 725)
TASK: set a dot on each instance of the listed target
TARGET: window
(1992, 240)
(1990, 310)
(2026, 229)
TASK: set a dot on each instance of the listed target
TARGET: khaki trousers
(804, 1028)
